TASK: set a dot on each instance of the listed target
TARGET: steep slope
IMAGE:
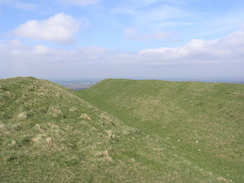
(203, 121)
(48, 134)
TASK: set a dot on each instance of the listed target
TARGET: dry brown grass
(22, 116)
(85, 116)
(73, 109)
(105, 155)
(38, 128)
(55, 111)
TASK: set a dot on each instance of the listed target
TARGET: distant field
(76, 85)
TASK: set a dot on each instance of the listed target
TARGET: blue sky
(161, 39)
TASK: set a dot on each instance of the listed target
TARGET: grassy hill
(47, 134)
(120, 131)
(203, 123)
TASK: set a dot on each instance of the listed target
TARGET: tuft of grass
(22, 116)
(85, 116)
(105, 155)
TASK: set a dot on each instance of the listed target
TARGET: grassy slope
(48, 134)
(203, 122)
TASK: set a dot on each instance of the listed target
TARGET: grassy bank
(203, 121)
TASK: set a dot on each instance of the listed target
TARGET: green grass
(203, 121)
(120, 131)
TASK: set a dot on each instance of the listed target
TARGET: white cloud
(222, 56)
(60, 28)
(17, 52)
(228, 49)
(81, 2)
(41, 50)
(132, 34)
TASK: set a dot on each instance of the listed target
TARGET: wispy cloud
(60, 28)
(19, 5)
(147, 11)
(133, 34)
(137, 5)
(81, 3)
(181, 16)
(157, 17)
(224, 23)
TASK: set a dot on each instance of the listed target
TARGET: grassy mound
(202, 122)
(47, 134)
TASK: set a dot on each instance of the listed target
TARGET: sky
(147, 39)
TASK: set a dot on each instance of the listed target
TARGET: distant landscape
(84, 84)
(77, 85)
